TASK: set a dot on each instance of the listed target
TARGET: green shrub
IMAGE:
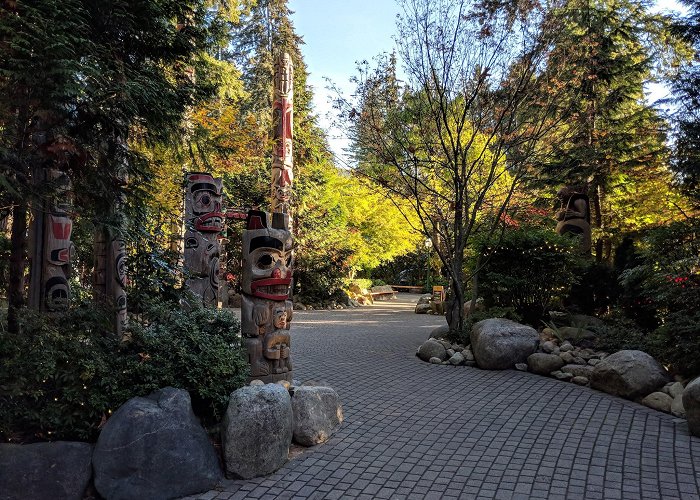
(661, 295)
(363, 283)
(620, 333)
(64, 375)
(531, 270)
(319, 278)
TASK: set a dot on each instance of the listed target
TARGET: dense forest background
(461, 137)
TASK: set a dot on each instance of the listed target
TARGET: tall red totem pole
(266, 308)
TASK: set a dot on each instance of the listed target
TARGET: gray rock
(422, 308)
(578, 370)
(432, 349)
(658, 401)
(155, 447)
(522, 367)
(317, 415)
(677, 408)
(566, 347)
(449, 353)
(445, 344)
(573, 333)
(257, 430)
(544, 364)
(456, 359)
(548, 347)
(425, 298)
(434, 360)
(691, 403)
(440, 331)
(628, 374)
(499, 343)
(468, 354)
(580, 361)
(567, 357)
(256, 382)
(593, 361)
(561, 375)
(470, 363)
(579, 380)
(45, 471)
(675, 390)
(556, 350)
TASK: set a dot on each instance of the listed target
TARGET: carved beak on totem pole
(206, 209)
(267, 257)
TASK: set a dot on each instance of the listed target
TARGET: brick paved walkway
(415, 430)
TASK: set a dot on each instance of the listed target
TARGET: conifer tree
(607, 52)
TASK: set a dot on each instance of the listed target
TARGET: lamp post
(428, 246)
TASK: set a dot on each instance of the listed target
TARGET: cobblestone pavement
(415, 430)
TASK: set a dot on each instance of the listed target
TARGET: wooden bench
(409, 289)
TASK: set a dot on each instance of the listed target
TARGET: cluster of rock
(426, 305)
(155, 447)
(499, 344)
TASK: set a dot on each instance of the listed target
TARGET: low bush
(62, 376)
(531, 270)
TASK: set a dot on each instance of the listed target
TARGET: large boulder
(432, 349)
(544, 364)
(440, 332)
(155, 447)
(257, 431)
(317, 414)
(629, 374)
(691, 404)
(45, 471)
(499, 344)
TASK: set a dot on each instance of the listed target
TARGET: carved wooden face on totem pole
(204, 220)
(267, 257)
(266, 312)
(58, 247)
(282, 118)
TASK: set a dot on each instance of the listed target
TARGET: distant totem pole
(266, 308)
(109, 277)
(52, 245)
(204, 221)
(574, 216)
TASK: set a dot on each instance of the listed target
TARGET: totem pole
(266, 312)
(203, 222)
(282, 115)
(52, 247)
(574, 216)
(109, 277)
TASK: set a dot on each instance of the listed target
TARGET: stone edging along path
(502, 344)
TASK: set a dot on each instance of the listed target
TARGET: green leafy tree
(613, 140)
(454, 141)
(686, 87)
(80, 82)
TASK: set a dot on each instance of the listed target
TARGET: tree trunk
(18, 248)
(455, 307)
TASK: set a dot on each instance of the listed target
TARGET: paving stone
(407, 421)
